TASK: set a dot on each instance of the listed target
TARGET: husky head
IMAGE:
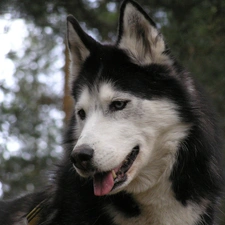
(128, 105)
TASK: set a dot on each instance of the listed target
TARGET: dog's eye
(81, 113)
(118, 105)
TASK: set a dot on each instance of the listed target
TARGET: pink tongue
(103, 183)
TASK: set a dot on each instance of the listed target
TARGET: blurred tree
(193, 29)
(23, 122)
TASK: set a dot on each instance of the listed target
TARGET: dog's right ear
(139, 36)
(80, 45)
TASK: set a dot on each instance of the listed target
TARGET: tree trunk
(68, 102)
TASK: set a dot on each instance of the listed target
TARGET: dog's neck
(158, 206)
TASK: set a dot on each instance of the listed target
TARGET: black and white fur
(132, 95)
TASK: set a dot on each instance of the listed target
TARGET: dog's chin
(115, 180)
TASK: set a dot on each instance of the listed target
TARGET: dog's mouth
(105, 182)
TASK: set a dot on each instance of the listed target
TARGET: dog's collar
(34, 215)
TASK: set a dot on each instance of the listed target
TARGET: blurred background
(34, 98)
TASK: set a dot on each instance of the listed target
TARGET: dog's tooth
(114, 174)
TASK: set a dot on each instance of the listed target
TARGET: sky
(11, 39)
(12, 36)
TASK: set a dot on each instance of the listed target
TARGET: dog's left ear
(80, 45)
(139, 36)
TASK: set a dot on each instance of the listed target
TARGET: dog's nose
(81, 157)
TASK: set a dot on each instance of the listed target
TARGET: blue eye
(118, 105)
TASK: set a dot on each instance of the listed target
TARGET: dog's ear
(139, 36)
(80, 44)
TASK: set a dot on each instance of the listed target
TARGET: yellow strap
(34, 221)
(33, 216)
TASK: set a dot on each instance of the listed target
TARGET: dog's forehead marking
(84, 98)
(106, 92)
(101, 93)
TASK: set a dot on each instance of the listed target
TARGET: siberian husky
(142, 145)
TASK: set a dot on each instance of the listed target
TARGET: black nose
(81, 157)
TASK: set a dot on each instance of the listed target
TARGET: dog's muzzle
(81, 157)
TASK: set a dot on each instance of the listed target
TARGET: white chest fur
(164, 210)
